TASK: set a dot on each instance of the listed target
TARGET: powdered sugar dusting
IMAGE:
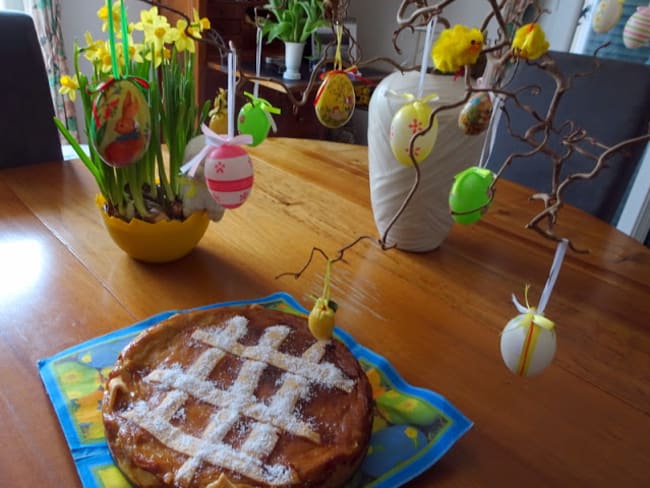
(270, 419)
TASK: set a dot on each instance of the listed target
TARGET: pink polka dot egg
(229, 175)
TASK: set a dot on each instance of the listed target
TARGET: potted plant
(149, 194)
(292, 21)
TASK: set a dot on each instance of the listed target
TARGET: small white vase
(426, 221)
(293, 59)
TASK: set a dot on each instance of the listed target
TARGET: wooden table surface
(435, 316)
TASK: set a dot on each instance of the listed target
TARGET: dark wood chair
(27, 131)
(612, 104)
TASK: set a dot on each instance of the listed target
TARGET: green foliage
(293, 20)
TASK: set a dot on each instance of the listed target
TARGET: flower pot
(293, 60)
(426, 221)
(160, 242)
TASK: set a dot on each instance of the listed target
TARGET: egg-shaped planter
(426, 221)
(159, 242)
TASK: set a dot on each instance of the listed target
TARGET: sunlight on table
(21, 263)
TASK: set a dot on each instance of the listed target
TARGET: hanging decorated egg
(470, 194)
(606, 15)
(255, 119)
(335, 100)
(475, 115)
(121, 123)
(409, 120)
(229, 175)
(636, 32)
(528, 344)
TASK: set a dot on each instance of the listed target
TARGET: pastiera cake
(236, 397)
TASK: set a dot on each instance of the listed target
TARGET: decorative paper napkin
(412, 429)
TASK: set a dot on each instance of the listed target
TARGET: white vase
(426, 221)
(293, 59)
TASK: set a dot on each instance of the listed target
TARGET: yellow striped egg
(526, 348)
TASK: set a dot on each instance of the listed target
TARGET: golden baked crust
(236, 397)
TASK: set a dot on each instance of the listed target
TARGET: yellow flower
(69, 86)
(156, 29)
(198, 25)
(146, 18)
(92, 51)
(182, 41)
(102, 13)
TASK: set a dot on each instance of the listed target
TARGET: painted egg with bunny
(121, 123)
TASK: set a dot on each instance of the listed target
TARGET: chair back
(27, 131)
(612, 104)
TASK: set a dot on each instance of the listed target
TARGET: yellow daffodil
(92, 51)
(147, 17)
(102, 13)
(69, 86)
(157, 31)
(198, 24)
(182, 41)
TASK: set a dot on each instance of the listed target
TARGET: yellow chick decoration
(219, 113)
(529, 42)
(457, 47)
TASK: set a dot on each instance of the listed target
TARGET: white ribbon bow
(212, 140)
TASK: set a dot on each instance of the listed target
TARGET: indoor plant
(152, 189)
(292, 21)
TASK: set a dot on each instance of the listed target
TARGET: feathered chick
(456, 47)
(529, 42)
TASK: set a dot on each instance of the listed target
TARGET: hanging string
(495, 117)
(553, 274)
(428, 39)
(258, 62)
(232, 66)
(111, 39)
(548, 288)
(338, 58)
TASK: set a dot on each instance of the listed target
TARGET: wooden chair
(612, 104)
(27, 131)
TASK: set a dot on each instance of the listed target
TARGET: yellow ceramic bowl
(160, 242)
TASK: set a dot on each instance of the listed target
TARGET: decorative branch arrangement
(457, 51)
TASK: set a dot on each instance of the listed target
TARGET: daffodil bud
(321, 319)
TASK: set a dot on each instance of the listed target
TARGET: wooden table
(435, 316)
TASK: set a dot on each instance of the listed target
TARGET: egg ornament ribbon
(228, 169)
(528, 341)
(255, 119)
(120, 128)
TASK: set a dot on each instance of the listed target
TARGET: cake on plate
(236, 397)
